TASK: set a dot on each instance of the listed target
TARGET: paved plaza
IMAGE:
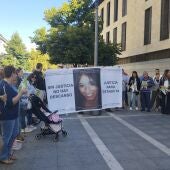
(115, 140)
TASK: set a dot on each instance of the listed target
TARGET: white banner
(83, 89)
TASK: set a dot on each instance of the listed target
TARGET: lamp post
(96, 35)
(99, 112)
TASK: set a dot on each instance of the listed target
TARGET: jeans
(29, 117)
(132, 98)
(22, 117)
(124, 98)
(10, 130)
(155, 99)
(145, 100)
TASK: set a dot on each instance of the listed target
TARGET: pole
(96, 35)
(99, 112)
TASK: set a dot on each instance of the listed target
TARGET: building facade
(142, 27)
(3, 42)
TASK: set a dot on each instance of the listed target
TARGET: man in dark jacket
(40, 82)
(146, 86)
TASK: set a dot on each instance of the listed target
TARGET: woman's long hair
(29, 78)
(135, 72)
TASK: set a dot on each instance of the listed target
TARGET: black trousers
(165, 103)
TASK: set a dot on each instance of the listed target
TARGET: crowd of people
(146, 92)
(16, 117)
(15, 108)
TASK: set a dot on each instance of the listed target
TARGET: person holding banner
(87, 89)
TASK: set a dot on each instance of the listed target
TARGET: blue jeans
(22, 117)
(29, 117)
(145, 100)
(132, 98)
(10, 130)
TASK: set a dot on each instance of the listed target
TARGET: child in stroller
(53, 123)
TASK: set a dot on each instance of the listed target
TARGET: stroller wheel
(64, 133)
(56, 138)
(38, 137)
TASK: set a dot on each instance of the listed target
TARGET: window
(123, 38)
(165, 19)
(107, 37)
(124, 8)
(115, 35)
(115, 10)
(108, 13)
(102, 16)
(148, 23)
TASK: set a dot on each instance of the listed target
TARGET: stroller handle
(55, 111)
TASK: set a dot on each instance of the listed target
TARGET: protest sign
(84, 89)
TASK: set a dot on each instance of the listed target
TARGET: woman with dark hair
(25, 104)
(87, 89)
(19, 73)
(9, 114)
(134, 88)
(165, 92)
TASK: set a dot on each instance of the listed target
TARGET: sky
(24, 17)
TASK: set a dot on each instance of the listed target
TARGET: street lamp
(96, 35)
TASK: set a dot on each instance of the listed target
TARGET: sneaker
(130, 108)
(16, 145)
(22, 130)
(32, 127)
(137, 108)
(20, 138)
(7, 162)
(27, 130)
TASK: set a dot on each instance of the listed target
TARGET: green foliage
(71, 36)
(37, 57)
(40, 39)
(108, 53)
(16, 52)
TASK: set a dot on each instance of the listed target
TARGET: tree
(16, 52)
(37, 57)
(70, 38)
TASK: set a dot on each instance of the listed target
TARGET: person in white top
(26, 105)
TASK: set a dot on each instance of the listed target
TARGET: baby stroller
(53, 124)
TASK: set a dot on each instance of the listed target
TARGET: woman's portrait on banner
(87, 89)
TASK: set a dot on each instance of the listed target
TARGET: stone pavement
(115, 140)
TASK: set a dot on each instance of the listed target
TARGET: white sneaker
(28, 129)
(22, 131)
(137, 108)
(16, 145)
(130, 108)
(32, 127)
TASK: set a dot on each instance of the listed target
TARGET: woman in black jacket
(134, 88)
(165, 92)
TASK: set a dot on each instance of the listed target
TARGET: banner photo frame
(83, 89)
